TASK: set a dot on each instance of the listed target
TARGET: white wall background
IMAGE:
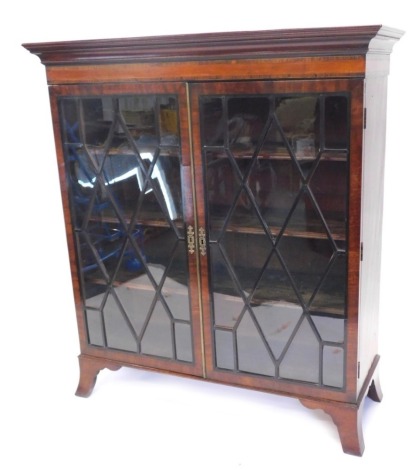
(150, 421)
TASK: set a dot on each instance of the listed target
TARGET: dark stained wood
(310, 53)
(68, 223)
(258, 69)
(348, 416)
(195, 368)
(285, 61)
(89, 368)
(375, 390)
(233, 45)
(354, 218)
(355, 87)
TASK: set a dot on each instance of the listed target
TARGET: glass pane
(274, 285)
(277, 320)
(227, 309)
(301, 360)
(298, 118)
(222, 188)
(120, 333)
(276, 181)
(253, 351)
(307, 262)
(225, 358)
(336, 122)
(333, 363)
(329, 188)
(123, 157)
(246, 264)
(275, 184)
(330, 296)
(184, 349)
(247, 117)
(95, 327)
(223, 279)
(174, 289)
(157, 338)
(213, 122)
(330, 329)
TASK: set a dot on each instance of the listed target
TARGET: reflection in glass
(276, 180)
(302, 357)
(297, 117)
(333, 366)
(123, 159)
(224, 349)
(253, 353)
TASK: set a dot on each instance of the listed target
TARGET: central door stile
(201, 236)
(193, 240)
(190, 221)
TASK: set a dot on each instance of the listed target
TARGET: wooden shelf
(338, 155)
(289, 232)
(297, 232)
(315, 232)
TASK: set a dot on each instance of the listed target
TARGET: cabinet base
(89, 369)
(346, 416)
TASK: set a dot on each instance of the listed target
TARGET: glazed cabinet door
(273, 182)
(126, 170)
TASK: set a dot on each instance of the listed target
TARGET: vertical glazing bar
(322, 124)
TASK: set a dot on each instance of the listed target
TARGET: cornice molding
(349, 41)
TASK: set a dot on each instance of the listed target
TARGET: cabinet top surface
(349, 41)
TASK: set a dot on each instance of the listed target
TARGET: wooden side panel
(371, 220)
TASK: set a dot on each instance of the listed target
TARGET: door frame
(354, 88)
(87, 350)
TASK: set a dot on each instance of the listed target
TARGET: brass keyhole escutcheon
(202, 241)
(191, 239)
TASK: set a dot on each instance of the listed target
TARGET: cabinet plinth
(222, 196)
